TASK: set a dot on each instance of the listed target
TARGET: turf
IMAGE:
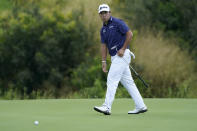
(78, 115)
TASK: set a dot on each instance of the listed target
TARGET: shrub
(38, 46)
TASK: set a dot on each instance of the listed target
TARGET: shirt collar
(109, 21)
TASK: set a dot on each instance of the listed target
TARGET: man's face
(105, 15)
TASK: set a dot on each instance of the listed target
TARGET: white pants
(120, 71)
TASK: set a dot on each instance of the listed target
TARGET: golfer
(115, 37)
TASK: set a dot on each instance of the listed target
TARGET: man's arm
(129, 36)
(104, 57)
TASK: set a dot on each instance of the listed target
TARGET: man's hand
(121, 52)
(104, 67)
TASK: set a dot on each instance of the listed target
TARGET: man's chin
(105, 20)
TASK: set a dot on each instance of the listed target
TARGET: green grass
(78, 115)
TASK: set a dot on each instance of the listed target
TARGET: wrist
(103, 61)
(123, 48)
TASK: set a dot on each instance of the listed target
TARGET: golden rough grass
(164, 64)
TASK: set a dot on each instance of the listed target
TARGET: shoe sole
(106, 113)
(142, 111)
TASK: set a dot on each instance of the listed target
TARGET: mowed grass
(78, 115)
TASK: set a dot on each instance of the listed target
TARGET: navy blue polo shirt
(114, 34)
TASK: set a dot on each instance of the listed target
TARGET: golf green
(78, 115)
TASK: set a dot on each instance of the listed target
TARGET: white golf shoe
(137, 111)
(103, 109)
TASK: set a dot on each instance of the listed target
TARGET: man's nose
(104, 14)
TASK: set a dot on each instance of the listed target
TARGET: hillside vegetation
(51, 49)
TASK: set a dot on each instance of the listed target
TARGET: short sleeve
(123, 27)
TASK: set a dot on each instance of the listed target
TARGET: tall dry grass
(169, 70)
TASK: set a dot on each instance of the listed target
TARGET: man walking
(116, 36)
